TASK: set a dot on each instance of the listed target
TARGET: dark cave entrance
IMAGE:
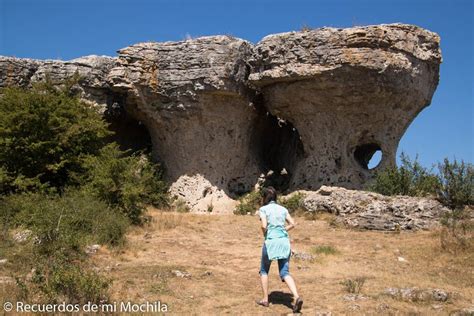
(279, 149)
(129, 133)
(368, 156)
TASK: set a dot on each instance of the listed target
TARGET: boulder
(369, 210)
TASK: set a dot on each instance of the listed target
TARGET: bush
(126, 182)
(62, 282)
(458, 230)
(61, 227)
(293, 203)
(409, 179)
(354, 286)
(249, 203)
(456, 183)
(59, 180)
(44, 134)
(66, 222)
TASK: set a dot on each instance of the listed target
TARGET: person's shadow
(278, 297)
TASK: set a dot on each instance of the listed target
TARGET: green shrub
(60, 180)
(456, 183)
(60, 281)
(409, 179)
(458, 230)
(65, 222)
(453, 185)
(293, 203)
(125, 182)
(62, 226)
(44, 134)
(249, 203)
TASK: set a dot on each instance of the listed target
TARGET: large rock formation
(92, 71)
(311, 106)
(349, 93)
(193, 99)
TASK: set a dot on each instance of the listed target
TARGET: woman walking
(276, 246)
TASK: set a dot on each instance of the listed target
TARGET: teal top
(276, 239)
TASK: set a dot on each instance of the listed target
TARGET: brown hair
(269, 194)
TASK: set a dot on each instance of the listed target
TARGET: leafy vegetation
(453, 185)
(125, 182)
(456, 183)
(293, 203)
(249, 203)
(179, 205)
(65, 189)
(61, 227)
(45, 134)
(409, 179)
(458, 231)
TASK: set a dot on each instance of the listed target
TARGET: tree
(45, 133)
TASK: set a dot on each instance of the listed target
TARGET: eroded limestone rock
(349, 92)
(303, 108)
(369, 210)
(415, 294)
(192, 97)
(92, 71)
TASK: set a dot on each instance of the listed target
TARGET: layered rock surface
(349, 92)
(192, 97)
(311, 106)
(369, 210)
(92, 70)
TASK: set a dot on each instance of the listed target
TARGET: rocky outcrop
(192, 97)
(417, 295)
(348, 92)
(304, 108)
(369, 210)
(92, 71)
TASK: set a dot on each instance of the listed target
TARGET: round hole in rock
(368, 156)
(375, 160)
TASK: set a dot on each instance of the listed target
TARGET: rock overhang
(208, 102)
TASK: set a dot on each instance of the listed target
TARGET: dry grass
(354, 285)
(222, 254)
(324, 250)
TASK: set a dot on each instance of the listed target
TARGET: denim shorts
(283, 264)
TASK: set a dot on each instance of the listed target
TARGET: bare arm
(264, 225)
(291, 222)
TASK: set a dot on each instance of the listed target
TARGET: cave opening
(279, 149)
(368, 155)
(130, 134)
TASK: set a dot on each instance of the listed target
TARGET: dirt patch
(219, 258)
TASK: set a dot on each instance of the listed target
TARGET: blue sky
(63, 29)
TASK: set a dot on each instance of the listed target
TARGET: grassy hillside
(222, 253)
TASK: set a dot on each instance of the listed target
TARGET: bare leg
(264, 279)
(291, 285)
